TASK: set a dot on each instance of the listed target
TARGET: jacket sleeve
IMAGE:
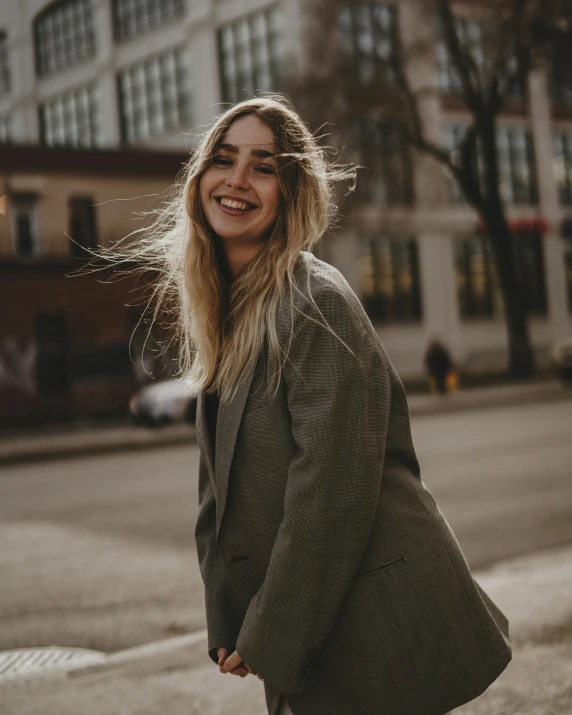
(339, 405)
(212, 568)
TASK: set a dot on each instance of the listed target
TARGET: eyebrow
(259, 153)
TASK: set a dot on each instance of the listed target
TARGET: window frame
(80, 104)
(396, 310)
(121, 8)
(388, 161)
(85, 205)
(51, 42)
(5, 69)
(241, 48)
(25, 203)
(138, 90)
(493, 299)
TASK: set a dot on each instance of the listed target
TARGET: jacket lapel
(228, 422)
(203, 437)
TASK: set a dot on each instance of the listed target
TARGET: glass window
(24, 223)
(471, 33)
(563, 165)
(452, 137)
(385, 154)
(82, 227)
(478, 285)
(155, 96)
(560, 81)
(134, 17)
(391, 289)
(515, 157)
(477, 281)
(250, 52)
(71, 119)
(367, 31)
(4, 64)
(516, 165)
(5, 129)
(64, 35)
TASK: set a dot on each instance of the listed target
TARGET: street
(98, 552)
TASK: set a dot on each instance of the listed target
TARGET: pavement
(57, 443)
(176, 677)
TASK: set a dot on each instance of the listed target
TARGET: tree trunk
(521, 356)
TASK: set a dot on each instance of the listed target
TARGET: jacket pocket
(385, 565)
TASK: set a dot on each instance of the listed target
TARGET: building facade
(151, 74)
(74, 342)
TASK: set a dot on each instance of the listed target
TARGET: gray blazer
(326, 561)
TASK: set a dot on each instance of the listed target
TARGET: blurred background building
(99, 100)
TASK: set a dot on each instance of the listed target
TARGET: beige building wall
(119, 203)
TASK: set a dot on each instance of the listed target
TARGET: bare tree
(491, 47)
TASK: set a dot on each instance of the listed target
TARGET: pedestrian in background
(329, 571)
(439, 366)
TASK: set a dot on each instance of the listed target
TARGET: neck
(238, 255)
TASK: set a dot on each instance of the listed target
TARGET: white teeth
(240, 205)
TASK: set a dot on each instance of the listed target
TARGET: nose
(238, 177)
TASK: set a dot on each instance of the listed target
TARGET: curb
(90, 442)
(191, 648)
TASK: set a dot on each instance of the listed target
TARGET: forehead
(249, 132)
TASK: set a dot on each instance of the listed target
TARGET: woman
(329, 570)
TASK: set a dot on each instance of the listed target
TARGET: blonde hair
(220, 329)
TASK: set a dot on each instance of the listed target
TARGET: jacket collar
(218, 460)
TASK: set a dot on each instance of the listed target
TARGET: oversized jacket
(327, 563)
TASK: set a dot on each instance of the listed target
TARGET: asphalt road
(97, 552)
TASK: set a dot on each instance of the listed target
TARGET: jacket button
(302, 674)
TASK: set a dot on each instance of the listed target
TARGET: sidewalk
(175, 677)
(72, 442)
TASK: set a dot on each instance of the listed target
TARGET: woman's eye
(265, 169)
(221, 161)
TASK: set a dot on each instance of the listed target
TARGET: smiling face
(239, 191)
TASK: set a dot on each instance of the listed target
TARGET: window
(367, 32)
(560, 82)
(250, 52)
(64, 35)
(155, 96)
(452, 137)
(24, 224)
(515, 162)
(4, 64)
(52, 357)
(72, 119)
(478, 284)
(5, 129)
(390, 279)
(134, 17)
(472, 33)
(477, 281)
(82, 228)
(516, 165)
(388, 176)
(563, 165)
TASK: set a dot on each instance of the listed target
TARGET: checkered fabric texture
(327, 563)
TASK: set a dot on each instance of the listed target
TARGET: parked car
(561, 360)
(163, 403)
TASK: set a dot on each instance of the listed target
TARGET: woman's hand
(233, 664)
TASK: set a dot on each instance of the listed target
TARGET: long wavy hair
(221, 325)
